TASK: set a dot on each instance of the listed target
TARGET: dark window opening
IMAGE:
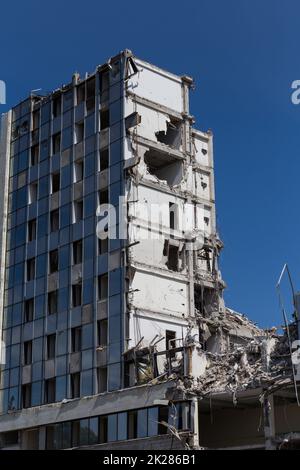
(50, 386)
(35, 152)
(163, 417)
(170, 341)
(54, 220)
(55, 182)
(132, 424)
(78, 171)
(102, 380)
(172, 136)
(77, 252)
(104, 119)
(171, 250)
(9, 438)
(104, 159)
(35, 120)
(75, 385)
(199, 299)
(78, 211)
(76, 295)
(26, 396)
(104, 87)
(53, 261)
(103, 246)
(76, 339)
(75, 433)
(51, 346)
(102, 332)
(205, 300)
(24, 128)
(206, 221)
(27, 353)
(173, 217)
(80, 93)
(103, 197)
(33, 192)
(51, 437)
(31, 230)
(79, 132)
(52, 302)
(57, 106)
(90, 94)
(31, 439)
(29, 310)
(103, 287)
(56, 139)
(30, 269)
(173, 258)
(103, 429)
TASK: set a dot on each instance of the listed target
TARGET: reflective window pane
(142, 423)
(122, 426)
(153, 421)
(94, 431)
(84, 432)
(112, 428)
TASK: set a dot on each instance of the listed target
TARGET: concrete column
(195, 423)
(269, 422)
(190, 263)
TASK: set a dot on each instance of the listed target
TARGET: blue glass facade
(65, 149)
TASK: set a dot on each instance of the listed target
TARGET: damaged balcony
(157, 162)
(206, 262)
(163, 167)
(156, 138)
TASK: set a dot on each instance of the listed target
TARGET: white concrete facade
(172, 165)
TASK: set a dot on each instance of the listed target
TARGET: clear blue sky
(243, 55)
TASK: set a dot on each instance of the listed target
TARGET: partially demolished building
(115, 332)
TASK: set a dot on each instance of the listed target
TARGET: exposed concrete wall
(159, 294)
(152, 121)
(157, 85)
(201, 149)
(168, 162)
(150, 325)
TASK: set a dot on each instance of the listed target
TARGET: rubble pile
(255, 357)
